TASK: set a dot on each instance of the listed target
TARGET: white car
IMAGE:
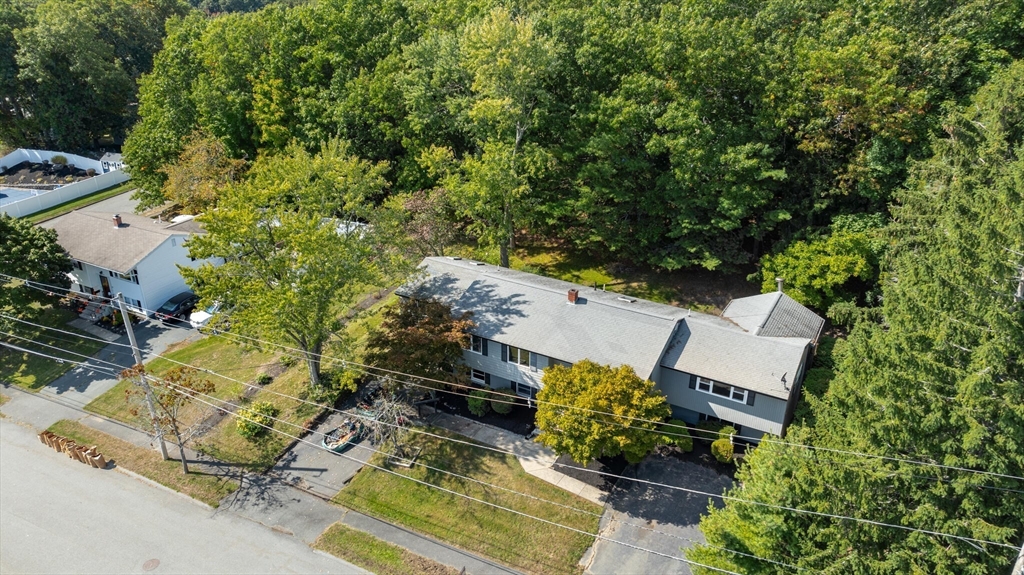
(200, 318)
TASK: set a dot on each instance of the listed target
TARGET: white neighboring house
(131, 254)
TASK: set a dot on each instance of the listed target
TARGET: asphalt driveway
(80, 385)
(670, 511)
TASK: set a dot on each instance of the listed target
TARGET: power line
(488, 503)
(366, 370)
(236, 406)
(707, 494)
(346, 364)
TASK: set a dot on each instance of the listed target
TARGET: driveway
(317, 470)
(670, 511)
(80, 385)
(60, 516)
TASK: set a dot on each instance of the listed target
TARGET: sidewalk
(536, 459)
(267, 499)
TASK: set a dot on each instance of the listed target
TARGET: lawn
(209, 489)
(520, 542)
(374, 555)
(701, 290)
(226, 444)
(214, 353)
(32, 371)
(3, 399)
(61, 209)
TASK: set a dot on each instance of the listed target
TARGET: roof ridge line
(770, 312)
(608, 304)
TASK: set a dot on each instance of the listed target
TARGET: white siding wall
(766, 415)
(158, 272)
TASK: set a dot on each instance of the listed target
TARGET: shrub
(90, 172)
(251, 420)
(478, 402)
(59, 160)
(722, 449)
(712, 430)
(501, 403)
(677, 434)
(288, 360)
(264, 379)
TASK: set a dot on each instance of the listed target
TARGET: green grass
(214, 353)
(3, 399)
(209, 489)
(700, 290)
(61, 209)
(226, 444)
(31, 371)
(374, 555)
(526, 544)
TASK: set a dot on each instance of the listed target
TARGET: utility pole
(142, 378)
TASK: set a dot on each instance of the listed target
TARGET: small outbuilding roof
(91, 237)
(774, 314)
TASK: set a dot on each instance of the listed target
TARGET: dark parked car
(178, 306)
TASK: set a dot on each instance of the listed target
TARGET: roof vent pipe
(117, 220)
(778, 282)
(574, 294)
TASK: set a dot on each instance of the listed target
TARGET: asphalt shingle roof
(532, 312)
(774, 314)
(759, 347)
(736, 357)
(92, 238)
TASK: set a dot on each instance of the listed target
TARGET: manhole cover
(151, 564)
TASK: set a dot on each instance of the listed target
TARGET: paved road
(60, 516)
(656, 508)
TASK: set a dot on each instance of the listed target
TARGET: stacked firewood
(87, 455)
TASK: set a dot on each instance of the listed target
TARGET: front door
(105, 284)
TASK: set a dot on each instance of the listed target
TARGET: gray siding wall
(502, 372)
(767, 415)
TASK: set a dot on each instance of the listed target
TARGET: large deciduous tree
(938, 380)
(31, 253)
(297, 248)
(202, 170)
(423, 339)
(508, 61)
(591, 410)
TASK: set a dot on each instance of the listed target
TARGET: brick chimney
(117, 220)
(574, 294)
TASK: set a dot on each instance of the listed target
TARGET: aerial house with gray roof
(744, 367)
(131, 254)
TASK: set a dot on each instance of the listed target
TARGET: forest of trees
(676, 134)
(866, 151)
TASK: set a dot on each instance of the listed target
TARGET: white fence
(37, 156)
(46, 200)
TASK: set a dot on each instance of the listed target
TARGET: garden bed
(519, 421)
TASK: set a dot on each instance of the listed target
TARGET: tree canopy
(296, 247)
(31, 253)
(591, 410)
(936, 381)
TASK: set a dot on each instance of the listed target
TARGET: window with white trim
(518, 356)
(477, 376)
(721, 390)
(476, 344)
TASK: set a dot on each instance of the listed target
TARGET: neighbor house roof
(533, 312)
(767, 365)
(774, 314)
(92, 238)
